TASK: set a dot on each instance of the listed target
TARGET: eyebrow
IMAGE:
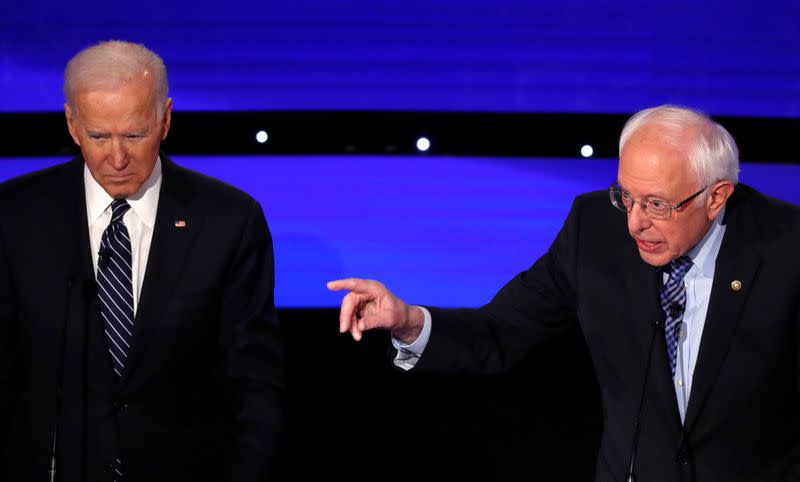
(659, 196)
(137, 132)
(93, 132)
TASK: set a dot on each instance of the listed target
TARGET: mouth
(116, 178)
(648, 246)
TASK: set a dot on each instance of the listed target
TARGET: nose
(117, 155)
(637, 219)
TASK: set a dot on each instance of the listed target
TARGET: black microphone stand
(631, 477)
(51, 470)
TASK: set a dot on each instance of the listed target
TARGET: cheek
(93, 155)
(142, 159)
(144, 151)
(675, 239)
(667, 234)
(683, 237)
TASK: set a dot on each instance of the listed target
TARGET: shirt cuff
(408, 354)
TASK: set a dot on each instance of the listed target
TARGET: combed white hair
(710, 148)
(113, 63)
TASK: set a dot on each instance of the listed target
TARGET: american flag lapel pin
(180, 223)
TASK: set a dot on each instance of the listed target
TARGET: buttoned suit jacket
(200, 398)
(743, 416)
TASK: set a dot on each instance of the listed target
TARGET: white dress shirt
(139, 220)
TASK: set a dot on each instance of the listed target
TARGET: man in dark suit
(686, 287)
(138, 333)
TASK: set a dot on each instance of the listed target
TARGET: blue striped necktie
(673, 301)
(115, 291)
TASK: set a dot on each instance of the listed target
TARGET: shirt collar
(704, 254)
(144, 202)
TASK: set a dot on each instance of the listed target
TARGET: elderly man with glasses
(686, 287)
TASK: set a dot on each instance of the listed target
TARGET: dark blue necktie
(115, 286)
(673, 301)
(115, 291)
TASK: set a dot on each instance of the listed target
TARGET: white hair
(113, 63)
(710, 148)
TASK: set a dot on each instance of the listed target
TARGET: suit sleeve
(793, 472)
(8, 353)
(534, 307)
(253, 353)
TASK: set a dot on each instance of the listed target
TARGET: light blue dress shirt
(698, 282)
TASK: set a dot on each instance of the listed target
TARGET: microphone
(675, 309)
(631, 477)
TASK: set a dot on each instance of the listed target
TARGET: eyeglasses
(654, 208)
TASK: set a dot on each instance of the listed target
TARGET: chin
(118, 192)
(655, 259)
(127, 187)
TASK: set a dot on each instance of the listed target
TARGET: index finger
(351, 284)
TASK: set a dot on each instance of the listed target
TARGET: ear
(73, 129)
(718, 194)
(167, 121)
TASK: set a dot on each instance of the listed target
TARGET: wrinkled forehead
(132, 100)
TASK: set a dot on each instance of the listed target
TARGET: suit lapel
(736, 267)
(642, 288)
(175, 229)
(70, 224)
(72, 227)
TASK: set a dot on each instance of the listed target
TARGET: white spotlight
(587, 151)
(261, 137)
(423, 144)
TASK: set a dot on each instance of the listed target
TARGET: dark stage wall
(352, 415)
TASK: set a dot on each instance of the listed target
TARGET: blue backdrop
(600, 56)
(447, 231)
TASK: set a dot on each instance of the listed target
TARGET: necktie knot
(678, 267)
(118, 209)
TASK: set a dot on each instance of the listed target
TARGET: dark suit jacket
(201, 397)
(743, 419)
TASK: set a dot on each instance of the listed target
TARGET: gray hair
(113, 63)
(710, 148)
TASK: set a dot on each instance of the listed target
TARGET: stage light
(587, 151)
(261, 137)
(423, 144)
